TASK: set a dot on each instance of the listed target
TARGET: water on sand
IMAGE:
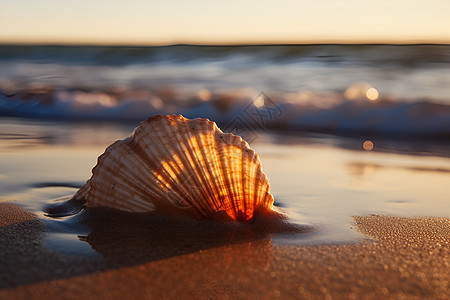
(317, 180)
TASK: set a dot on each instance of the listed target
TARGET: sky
(224, 22)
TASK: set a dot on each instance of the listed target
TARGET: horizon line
(221, 44)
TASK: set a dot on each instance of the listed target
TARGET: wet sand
(401, 258)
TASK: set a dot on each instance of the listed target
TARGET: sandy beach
(401, 258)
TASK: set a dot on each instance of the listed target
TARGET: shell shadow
(135, 238)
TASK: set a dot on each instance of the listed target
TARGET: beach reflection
(360, 169)
(23, 134)
(138, 237)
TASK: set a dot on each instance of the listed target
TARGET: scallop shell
(179, 166)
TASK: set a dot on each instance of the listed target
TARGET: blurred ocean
(378, 90)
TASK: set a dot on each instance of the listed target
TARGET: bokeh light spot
(368, 145)
(372, 94)
(204, 95)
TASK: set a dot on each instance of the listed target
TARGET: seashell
(179, 166)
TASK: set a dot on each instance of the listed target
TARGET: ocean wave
(243, 110)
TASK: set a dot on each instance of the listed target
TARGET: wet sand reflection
(125, 237)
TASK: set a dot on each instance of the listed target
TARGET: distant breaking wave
(243, 110)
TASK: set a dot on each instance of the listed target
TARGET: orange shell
(174, 165)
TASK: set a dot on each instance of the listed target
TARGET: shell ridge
(254, 184)
(184, 178)
(268, 198)
(226, 199)
(147, 191)
(251, 199)
(234, 176)
(240, 188)
(151, 157)
(189, 195)
(195, 183)
(259, 183)
(98, 171)
(175, 191)
(172, 189)
(207, 149)
(236, 153)
(244, 184)
(118, 196)
(200, 164)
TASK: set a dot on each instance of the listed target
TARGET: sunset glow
(148, 22)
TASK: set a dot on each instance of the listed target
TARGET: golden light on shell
(173, 165)
(368, 145)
